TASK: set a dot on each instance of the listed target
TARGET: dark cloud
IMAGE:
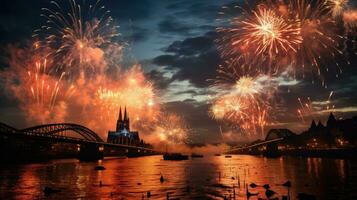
(135, 10)
(135, 33)
(173, 26)
(191, 46)
(200, 9)
(160, 82)
(195, 58)
(18, 19)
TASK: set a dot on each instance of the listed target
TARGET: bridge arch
(278, 133)
(6, 128)
(57, 129)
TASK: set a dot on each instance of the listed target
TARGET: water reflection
(213, 177)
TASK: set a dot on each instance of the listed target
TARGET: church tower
(119, 121)
(331, 122)
(126, 122)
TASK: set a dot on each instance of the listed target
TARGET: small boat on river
(175, 156)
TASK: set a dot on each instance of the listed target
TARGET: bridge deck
(254, 145)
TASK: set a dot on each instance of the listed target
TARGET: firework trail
(42, 96)
(308, 108)
(79, 36)
(305, 108)
(45, 89)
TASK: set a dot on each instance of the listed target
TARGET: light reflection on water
(211, 177)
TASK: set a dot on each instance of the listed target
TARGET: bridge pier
(90, 152)
(272, 150)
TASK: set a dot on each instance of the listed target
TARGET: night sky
(174, 42)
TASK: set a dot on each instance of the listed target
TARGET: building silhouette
(333, 132)
(123, 134)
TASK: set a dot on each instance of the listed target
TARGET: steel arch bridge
(61, 129)
(89, 145)
(56, 130)
(273, 136)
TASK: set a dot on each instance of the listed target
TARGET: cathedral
(122, 134)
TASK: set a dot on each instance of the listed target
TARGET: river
(211, 177)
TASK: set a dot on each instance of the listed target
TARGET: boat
(217, 154)
(228, 156)
(194, 155)
(175, 156)
(99, 168)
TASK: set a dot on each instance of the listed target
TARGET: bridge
(87, 144)
(268, 147)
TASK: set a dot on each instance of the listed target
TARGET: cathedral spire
(120, 116)
(125, 115)
(331, 122)
(313, 126)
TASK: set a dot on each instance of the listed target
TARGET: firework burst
(275, 35)
(321, 43)
(260, 36)
(245, 104)
(78, 36)
(172, 128)
(336, 7)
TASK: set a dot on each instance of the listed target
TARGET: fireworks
(76, 41)
(321, 43)
(78, 37)
(135, 92)
(41, 95)
(278, 34)
(308, 108)
(336, 7)
(245, 104)
(44, 88)
(172, 128)
(260, 35)
(350, 19)
(305, 108)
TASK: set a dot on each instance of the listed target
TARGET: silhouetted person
(162, 179)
